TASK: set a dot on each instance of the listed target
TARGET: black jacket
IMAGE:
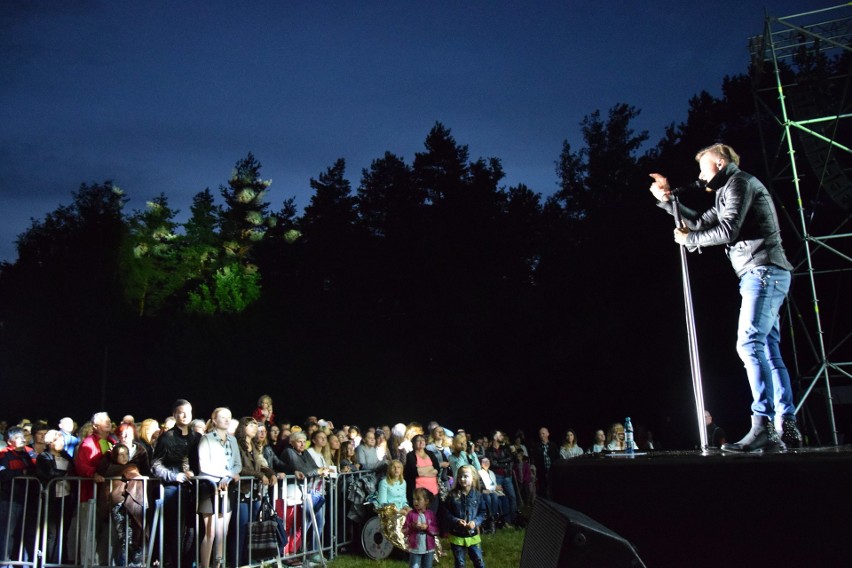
(743, 219)
(538, 452)
(46, 470)
(409, 472)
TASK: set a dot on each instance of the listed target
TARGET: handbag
(269, 510)
(267, 535)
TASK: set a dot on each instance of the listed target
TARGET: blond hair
(145, 427)
(394, 480)
(459, 442)
(721, 150)
(473, 473)
(51, 436)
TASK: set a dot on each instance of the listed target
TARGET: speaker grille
(545, 537)
(560, 537)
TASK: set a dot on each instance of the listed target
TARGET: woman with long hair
(262, 442)
(147, 430)
(218, 457)
(615, 439)
(253, 466)
(570, 448)
(348, 462)
(319, 450)
(335, 451)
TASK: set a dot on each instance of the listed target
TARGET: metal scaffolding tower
(801, 71)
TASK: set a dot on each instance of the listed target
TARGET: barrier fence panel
(19, 521)
(144, 522)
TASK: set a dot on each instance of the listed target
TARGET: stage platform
(697, 509)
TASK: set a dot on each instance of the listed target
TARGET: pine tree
(245, 217)
(153, 270)
(231, 282)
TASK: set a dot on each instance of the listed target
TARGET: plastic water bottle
(628, 435)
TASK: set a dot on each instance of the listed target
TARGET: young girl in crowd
(263, 413)
(421, 526)
(465, 512)
(392, 489)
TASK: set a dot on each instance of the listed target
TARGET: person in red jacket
(86, 461)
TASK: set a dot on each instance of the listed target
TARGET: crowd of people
(420, 469)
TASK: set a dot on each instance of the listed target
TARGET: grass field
(500, 550)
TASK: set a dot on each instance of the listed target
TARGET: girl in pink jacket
(421, 526)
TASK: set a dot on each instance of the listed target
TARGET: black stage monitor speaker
(559, 537)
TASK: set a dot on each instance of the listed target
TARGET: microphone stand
(694, 363)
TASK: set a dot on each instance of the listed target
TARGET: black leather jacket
(743, 219)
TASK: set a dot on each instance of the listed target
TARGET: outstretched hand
(660, 188)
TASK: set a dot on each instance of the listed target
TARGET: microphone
(697, 184)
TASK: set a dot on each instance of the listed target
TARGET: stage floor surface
(713, 508)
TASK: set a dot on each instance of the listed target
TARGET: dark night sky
(167, 97)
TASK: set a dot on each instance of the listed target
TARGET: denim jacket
(470, 507)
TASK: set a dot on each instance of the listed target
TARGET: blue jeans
(318, 501)
(763, 290)
(420, 560)
(510, 501)
(475, 553)
(492, 504)
(176, 512)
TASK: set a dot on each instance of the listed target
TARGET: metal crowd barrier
(143, 522)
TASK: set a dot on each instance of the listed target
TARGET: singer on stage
(744, 220)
